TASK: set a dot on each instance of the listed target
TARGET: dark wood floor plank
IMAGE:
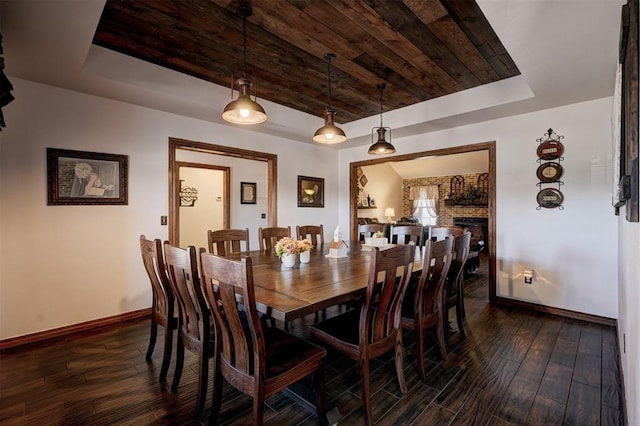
(588, 370)
(564, 352)
(583, 406)
(545, 411)
(518, 400)
(101, 377)
(556, 382)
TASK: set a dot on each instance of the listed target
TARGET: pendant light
(329, 133)
(381, 146)
(244, 110)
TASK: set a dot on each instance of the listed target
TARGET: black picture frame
(310, 191)
(86, 178)
(248, 192)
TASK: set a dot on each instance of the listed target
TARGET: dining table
(286, 293)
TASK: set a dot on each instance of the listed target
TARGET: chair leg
(179, 364)
(442, 339)
(152, 337)
(366, 391)
(420, 352)
(216, 397)
(459, 316)
(168, 348)
(318, 385)
(258, 406)
(203, 381)
(400, 363)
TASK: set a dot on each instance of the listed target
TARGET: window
(425, 203)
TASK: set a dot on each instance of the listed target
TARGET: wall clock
(549, 172)
(550, 149)
(550, 198)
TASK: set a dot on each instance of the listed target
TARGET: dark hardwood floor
(515, 367)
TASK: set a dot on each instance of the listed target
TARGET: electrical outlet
(263, 216)
(163, 220)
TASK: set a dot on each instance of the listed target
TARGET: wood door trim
(207, 148)
(489, 146)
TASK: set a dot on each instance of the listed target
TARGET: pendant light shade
(329, 133)
(244, 110)
(381, 146)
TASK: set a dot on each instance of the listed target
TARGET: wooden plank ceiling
(421, 49)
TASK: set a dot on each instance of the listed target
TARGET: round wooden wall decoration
(549, 172)
(550, 150)
(550, 198)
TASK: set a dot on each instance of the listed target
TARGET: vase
(289, 260)
(305, 257)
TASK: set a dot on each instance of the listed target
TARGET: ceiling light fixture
(381, 146)
(329, 133)
(244, 110)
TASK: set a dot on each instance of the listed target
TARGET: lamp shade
(244, 110)
(382, 146)
(389, 212)
(329, 133)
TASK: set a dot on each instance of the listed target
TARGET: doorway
(491, 212)
(204, 202)
(269, 161)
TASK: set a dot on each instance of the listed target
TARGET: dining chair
(453, 295)
(258, 360)
(422, 305)
(437, 233)
(313, 233)
(226, 241)
(368, 229)
(163, 301)
(404, 234)
(268, 237)
(374, 329)
(195, 328)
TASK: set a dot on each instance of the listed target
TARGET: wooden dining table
(288, 293)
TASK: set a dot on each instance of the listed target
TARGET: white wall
(573, 251)
(384, 185)
(62, 265)
(629, 314)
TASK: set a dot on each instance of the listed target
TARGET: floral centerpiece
(287, 248)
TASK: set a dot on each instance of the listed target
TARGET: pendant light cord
(329, 58)
(381, 86)
(244, 46)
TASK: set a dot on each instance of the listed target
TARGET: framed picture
(248, 192)
(310, 191)
(86, 178)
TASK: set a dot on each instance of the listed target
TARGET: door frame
(489, 146)
(176, 144)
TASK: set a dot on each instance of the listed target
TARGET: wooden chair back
(453, 296)
(368, 229)
(381, 308)
(404, 234)
(441, 232)
(424, 309)
(163, 300)
(195, 322)
(268, 237)
(226, 241)
(257, 365)
(313, 233)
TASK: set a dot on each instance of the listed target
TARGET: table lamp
(389, 213)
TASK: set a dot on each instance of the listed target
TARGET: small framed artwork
(86, 178)
(247, 193)
(310, 191)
